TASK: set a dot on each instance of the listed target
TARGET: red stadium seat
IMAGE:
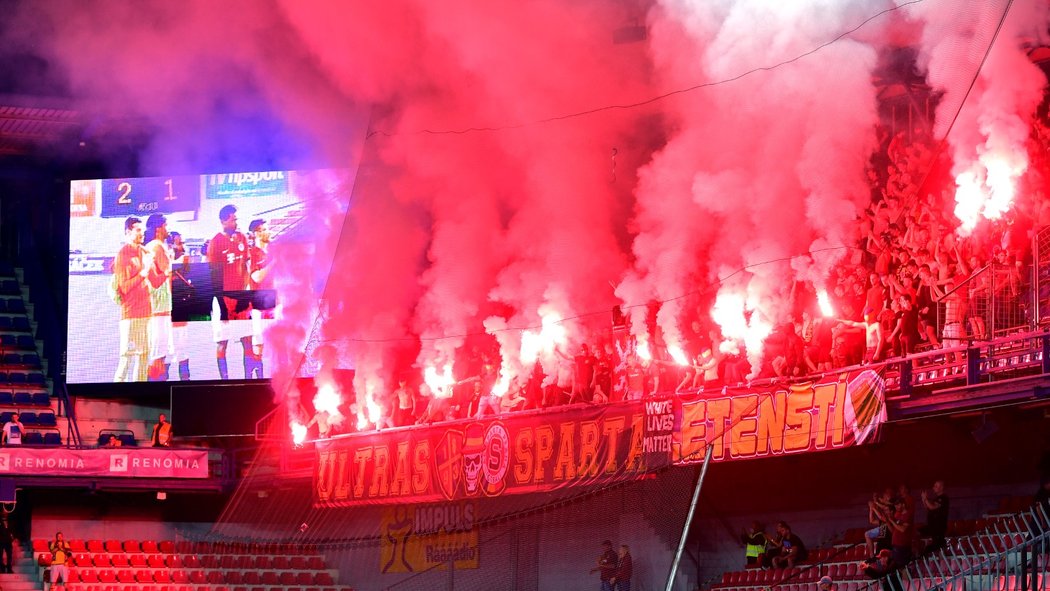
(315, 563)
(137, 560)
(323, 578)
(125, 576)
(155, 561)
(298, 562)
(173, 561)
(287, 578)
(191, 561)
(162, 576)
(81, 559)
(77, 546)
(210, 561)
(252, 578)
(106, 576)
(270, 578)
(119, 561)
(263, 562)
(166, 547)
(281, 562)
(43, 559)
(197, 577)
(234, 577)
(95, 546)
(40, 545)
(132, 546)
(148, 546)
(113, 546)
(143, 576)
(84, 575)
(180, 577)
(101, 560)
(304, 578)
(215, 577)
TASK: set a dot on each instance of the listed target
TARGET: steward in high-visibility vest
(754, 540)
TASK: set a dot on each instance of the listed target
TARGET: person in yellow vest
(60, 556)
(161, 432)
(754, 540)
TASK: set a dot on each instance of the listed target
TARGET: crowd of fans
(911, 282)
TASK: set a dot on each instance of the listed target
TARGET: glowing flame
(439, 383)
(824, 302)
(678, 355)
(729, 312)
(328, 400)
(298, 432)
(988, 188)
(501, 386)
(642, 350)
(375, 412)
(969, 199)
(551, 335)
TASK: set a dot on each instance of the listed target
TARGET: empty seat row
(147, 587)
(198, 577)
(9, 342)
(46, 438)
(191, 561)
(44, 419)
(12, 305)
(9, 287)
(15, 323)
(22, 398)
(78, 546)
(32, 378)
(20, 361)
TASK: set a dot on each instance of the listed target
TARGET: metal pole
(689, 518)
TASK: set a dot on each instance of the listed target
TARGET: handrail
(963, 283)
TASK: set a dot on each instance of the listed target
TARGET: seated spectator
(879, 566)
(826, 584)
(792, 551)
(754, 539)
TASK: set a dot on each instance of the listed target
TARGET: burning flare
(824, 302)
(439, 383)
(298, 432)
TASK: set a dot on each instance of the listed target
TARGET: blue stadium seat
(33, 438)
(52, 438)
(20, 324)
(16, 378)
(46, 419)
(103, 439)
(3, 304)
(5, 417)
(127, 440)
(16, 306)
(24, 341)
(40, 399)
(8, 340)
(7, 269)
(3, 377)
(6, 398)
(9, 287)
(23, 399)
(31, 359)
(12, 359)
(28, 418)
(5, 323)
(36, 378)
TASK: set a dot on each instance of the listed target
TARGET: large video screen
(170, 277)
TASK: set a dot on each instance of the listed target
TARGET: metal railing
(1009, 555)
(996, 299)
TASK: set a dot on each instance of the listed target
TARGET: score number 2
(125, 192)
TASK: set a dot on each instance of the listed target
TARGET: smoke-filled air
(526, 175)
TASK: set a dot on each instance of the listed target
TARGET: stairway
(26, 575)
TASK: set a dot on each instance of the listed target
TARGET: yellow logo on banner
(416, 538)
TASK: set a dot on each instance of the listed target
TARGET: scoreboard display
(126, 197)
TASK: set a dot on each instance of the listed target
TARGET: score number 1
(125, 192)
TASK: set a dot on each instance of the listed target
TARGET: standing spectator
(405, 401)
(936, 502)
(901, 529)
(7, 538)
(60, 555)
(624, 570)
(608, 563)
(13, 431)
(878, 509)
(161, 436)
(754, 540)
